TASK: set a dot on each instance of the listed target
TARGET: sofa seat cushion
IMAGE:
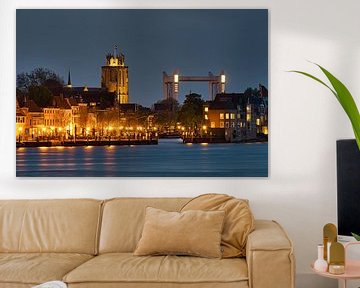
(36, 268)
(127, 268)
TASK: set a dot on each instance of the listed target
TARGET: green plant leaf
(316, 79)
(356, 236)
(346, 100)
(344, 97)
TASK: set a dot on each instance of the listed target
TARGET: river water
(171, 158)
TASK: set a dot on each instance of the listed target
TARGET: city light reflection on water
(170, 158)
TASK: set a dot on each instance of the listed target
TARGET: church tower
(69, 85)
(115, 77)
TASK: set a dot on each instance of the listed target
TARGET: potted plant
(346, 100)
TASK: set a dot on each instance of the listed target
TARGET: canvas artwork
(143, 93)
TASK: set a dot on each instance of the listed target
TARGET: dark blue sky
(153, 41)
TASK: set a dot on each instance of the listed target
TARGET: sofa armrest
(269, 256)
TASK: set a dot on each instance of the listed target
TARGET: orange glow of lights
(59, 147)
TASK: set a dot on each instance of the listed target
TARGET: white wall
(305, 120)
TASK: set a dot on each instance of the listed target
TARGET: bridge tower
(171, 83)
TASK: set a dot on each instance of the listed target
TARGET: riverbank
(85, 143)
(199, 140)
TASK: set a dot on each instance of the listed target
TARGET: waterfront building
(75, 111)
(263, 110)
(34, 127)
(236, 117)
(220, 117)
(20, 122)
(58, 116)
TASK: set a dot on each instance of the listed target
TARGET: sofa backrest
(67, 226)
(123, 220)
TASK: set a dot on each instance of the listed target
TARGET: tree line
(37, 85)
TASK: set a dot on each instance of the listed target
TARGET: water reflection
(170, 158)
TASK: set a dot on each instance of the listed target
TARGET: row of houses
(234, 117)
(69, 117)
(59, 118)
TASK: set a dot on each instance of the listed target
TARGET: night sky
(153, 41)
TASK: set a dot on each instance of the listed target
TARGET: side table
(352, 268)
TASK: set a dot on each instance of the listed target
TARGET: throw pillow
(196, 233)
(239, 220)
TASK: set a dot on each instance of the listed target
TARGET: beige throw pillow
(238, 223)
(194, 232)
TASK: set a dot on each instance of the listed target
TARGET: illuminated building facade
(20, 122)
(58, 118)
(115, 77)
(34, 123)
(237, 117)
(81, 111)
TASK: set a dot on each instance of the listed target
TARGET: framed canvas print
(144, 93)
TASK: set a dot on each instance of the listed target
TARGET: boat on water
(169, 135)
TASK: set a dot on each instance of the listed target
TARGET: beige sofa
(89, 243)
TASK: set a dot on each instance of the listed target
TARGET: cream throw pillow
(193, 232)
(238, 223)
